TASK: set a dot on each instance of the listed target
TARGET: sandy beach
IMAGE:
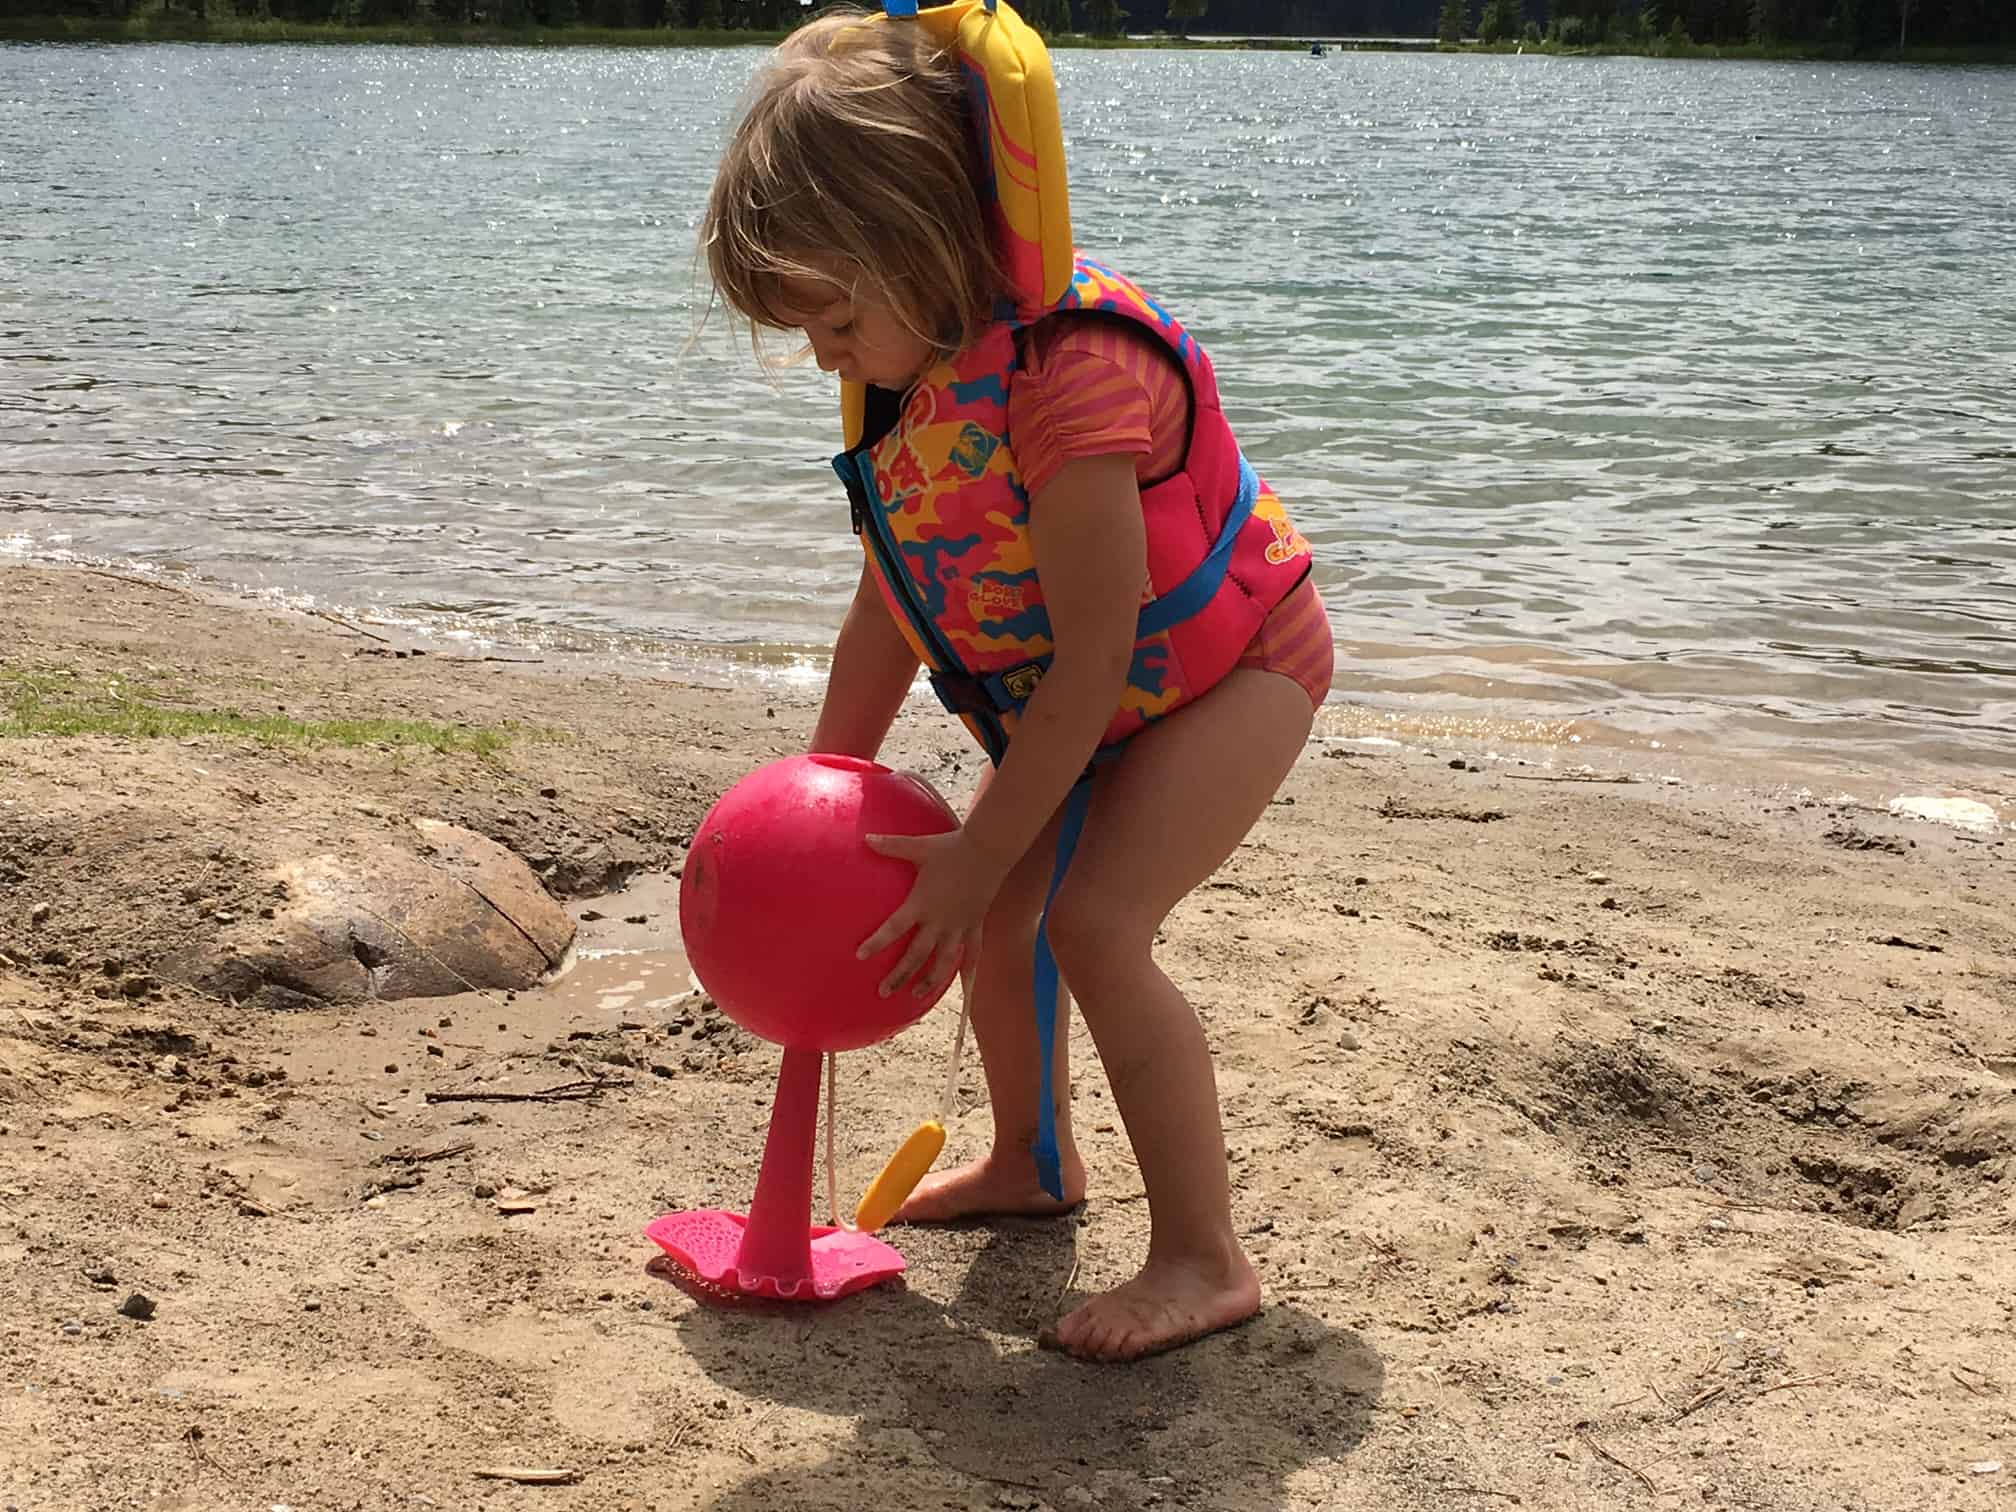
(1604, 1141)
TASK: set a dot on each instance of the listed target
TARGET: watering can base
(706, 1243)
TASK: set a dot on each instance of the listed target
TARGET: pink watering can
(780, 888)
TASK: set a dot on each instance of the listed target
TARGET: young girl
(1060, 525)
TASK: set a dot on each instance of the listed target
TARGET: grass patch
(64, 704)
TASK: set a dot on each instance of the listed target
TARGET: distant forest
(1844, 26)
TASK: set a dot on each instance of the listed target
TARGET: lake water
(1658, 402)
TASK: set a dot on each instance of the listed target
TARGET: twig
(1700, 1401)
(1582, 1432)
(420, 1157)
(576, 1091)
(193, 1437)
(337, 619)
(1065, 1290)
(1977, 1390)
(374, 1112)
(124, 577)
(1813, 1380)
(526, 1477)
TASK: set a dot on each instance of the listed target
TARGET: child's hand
(954, 888)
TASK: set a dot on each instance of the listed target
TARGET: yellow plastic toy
(913, 1161)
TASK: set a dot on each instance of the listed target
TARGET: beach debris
(1958, 813)
(1850, 838)
(1393, 808)
(574, 1091)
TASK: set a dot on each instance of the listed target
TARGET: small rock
(1705, 1174)
(225, 916)
(485, 1190)
(159, 1201)
(311, 1305)
(1985, 1467)
(1597, 879)
(139, 1307)
(72, 1327)
(592, 916)
(547, 792)
(168, 1067)
(1348, 1040)
(1610, 903)
(38, 913)
(436, 1050)
(1459, 765)
(637, 918)
(101, 1275)
(391, 1068)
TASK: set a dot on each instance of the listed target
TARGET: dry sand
(1603, 1145)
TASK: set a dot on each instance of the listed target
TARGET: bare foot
(1171, 1303)
(993, 1184)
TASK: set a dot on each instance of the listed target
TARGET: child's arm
(1091, 549)
(873, 668)
(1091, 553)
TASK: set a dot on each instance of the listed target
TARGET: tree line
(1845, 26)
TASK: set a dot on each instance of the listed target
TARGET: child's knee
(1094, 939)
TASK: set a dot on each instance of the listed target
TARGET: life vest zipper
(865, 504)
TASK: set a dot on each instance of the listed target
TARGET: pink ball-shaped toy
(780, 889)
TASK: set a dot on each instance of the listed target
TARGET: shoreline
(1451, 724)
(1570, 1124)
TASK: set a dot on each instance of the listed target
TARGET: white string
(945, 1106)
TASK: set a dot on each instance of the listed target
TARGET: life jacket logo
(994, 601)
(1288, 543)
(1021, 682)
(974, 449)
(902, 477)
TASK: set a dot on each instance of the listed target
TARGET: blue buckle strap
(1190, 596)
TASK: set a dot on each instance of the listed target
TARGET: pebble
(101, 1275)
(484, 1189)
(1597, 878)
(1348, 1040)
(1985, 1467)
(73, 1327)
(391, 1068)
(311, 1305)
(38, 913)
(158, 1201)
(139, 1307)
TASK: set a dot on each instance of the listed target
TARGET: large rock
(381, 922)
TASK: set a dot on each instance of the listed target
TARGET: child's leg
(1168, 815)
(1004, 1024)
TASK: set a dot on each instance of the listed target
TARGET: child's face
(853, 332)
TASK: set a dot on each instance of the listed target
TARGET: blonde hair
(855, 149)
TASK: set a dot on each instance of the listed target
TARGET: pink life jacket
(943, 514)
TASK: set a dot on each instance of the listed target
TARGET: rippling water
(1674, 399)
